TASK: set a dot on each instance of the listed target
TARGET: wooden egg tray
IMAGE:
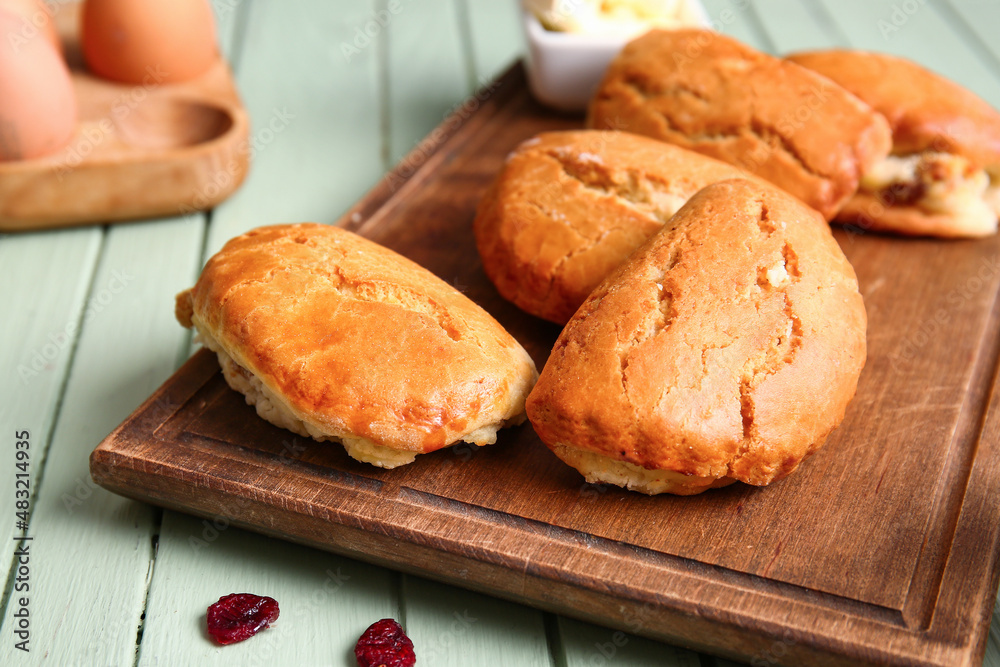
(139, 151)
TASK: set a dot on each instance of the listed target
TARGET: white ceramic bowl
(564, 69)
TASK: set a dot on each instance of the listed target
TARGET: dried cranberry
(384, 645)
(240, 616)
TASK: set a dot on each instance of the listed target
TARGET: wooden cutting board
(881, 549)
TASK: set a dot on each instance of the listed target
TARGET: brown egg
(148, 41)
(36, 21)
(37, 103)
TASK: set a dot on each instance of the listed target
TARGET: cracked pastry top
(335, 337)
(724, 349)
(709, 93)
(943, 177)
(568, 207)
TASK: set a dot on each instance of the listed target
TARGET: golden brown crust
(358, 341)
(728, 345)
(184, 309)
(926, 111)
(568, 207)
(709, 93)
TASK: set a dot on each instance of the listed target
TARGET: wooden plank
(796, 26)
(973, 598)
(974, 22)
(315, 149)
(495, 36)
(978, 20)
(426, 71)
(859, 572)
(38, 336)
(451, 627)
(325, 601)
(80, 529)
(586, 645)
(925, 37)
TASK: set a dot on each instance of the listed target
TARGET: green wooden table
(88, 332)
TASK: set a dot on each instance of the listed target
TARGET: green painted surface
(336, 97)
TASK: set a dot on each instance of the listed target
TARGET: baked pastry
(334, 337)
(709, 93)
(726, 348)
(943, 177)
(569, 207)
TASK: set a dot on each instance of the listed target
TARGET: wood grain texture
(47, 277)
(454, 627)
(316, 130)
(871, 566)
(38, 342)
(426, 75)
(147, 150)
(923, 36)
(325, 601)
(78, 528)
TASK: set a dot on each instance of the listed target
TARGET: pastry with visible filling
(337, 338)
(568, 207)
(725, 349)
(709, 93)
(943, 176)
